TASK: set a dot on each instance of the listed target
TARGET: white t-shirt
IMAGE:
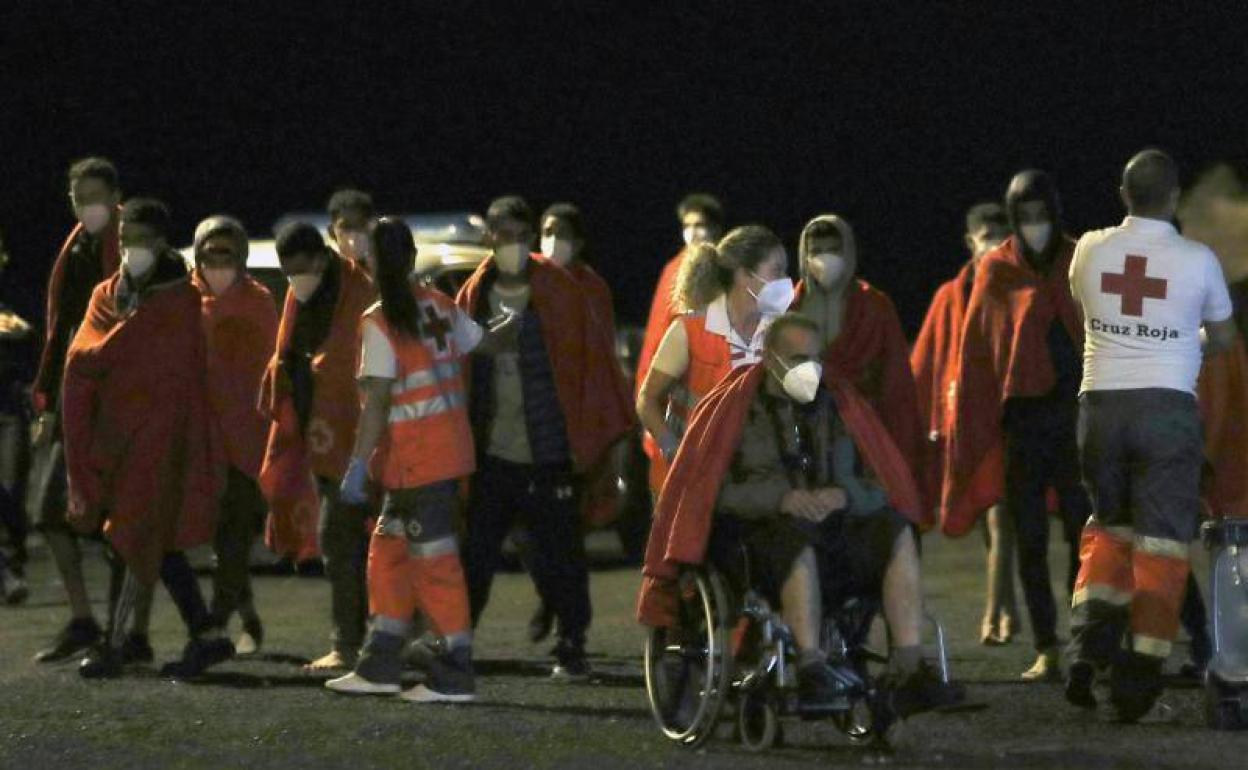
(377, 356)
(672, 356)
(1145, 290)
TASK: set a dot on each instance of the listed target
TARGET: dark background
(897, 115)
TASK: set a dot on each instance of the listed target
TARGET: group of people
(793, 423)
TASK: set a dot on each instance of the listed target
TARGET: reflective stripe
(1161, 546)
(1150, 645)
(462, 639)
(423, 378)
(427, 408)
(1120, 533)
(1100, 592)
(440, 547)
(392, 626)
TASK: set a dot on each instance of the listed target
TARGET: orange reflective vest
(428, 437)
(709, 362)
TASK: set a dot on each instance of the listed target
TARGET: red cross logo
(1133, 285)
(436, 328)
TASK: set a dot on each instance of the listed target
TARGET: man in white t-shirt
(1151, 301)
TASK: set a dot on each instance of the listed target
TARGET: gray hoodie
(826, 305)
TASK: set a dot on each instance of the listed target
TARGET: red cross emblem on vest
(436, 328)
(1134, 285)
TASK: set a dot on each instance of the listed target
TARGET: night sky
(896, 115)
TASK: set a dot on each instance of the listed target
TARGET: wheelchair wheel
(688, 670)
(758, 724)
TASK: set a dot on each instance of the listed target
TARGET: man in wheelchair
(789, 465)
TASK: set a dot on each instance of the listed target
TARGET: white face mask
(137, 260)
(775, 297)
(557, 250)
(219, 279)
(1036, 236)
(801, 382)
(826, 269)
(694, 235)
(94, 217)
(304, 285)
(511, 257)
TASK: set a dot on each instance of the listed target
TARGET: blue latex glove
(354, 489)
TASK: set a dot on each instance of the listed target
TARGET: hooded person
(934, 360)
(861, 332)
(138, 439)
(240, 329)
(1013, 433)
(89, 255)
(309, 394)
(544, 409)
(785, 461)
(727, 293)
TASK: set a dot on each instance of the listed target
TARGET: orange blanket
(590, 388)
(686, 506)
(1004, 354)
(138, 442)
(240, 328)
(292, 456)
(934, 362)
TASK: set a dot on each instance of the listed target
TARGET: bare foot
(330, 662)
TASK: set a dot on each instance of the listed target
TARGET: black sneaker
(923, 690)
(541, 623)
(1134, 685)
(821, 689)
(80, 634)
(451, 679)
(198, 655)
(101, 662)
(571, 665)
(1079, 685)
(136, 649)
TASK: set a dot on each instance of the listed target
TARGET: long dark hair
(396, 259)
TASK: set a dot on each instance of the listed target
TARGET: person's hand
(354, 488)
(505, 328)
(668, 444)
(832, 498)
(803, 504)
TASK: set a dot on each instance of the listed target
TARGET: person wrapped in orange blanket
(1013, 435)
(544, 411)
(240, 328)
(309, 393)
(89, 255)
(862, 335)
(934, 361)
(138, 439)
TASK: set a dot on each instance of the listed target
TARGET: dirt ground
(265, 712)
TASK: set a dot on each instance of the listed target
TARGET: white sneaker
(422, 694)
(354, 684)
(246, 645)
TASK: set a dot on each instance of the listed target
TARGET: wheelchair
(730, 655)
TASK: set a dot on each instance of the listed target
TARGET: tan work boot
(1048, 667)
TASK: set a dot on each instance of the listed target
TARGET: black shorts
(853, 552)
(1141, 453)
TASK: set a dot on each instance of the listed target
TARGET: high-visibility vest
(428, 437)
(709, 362)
